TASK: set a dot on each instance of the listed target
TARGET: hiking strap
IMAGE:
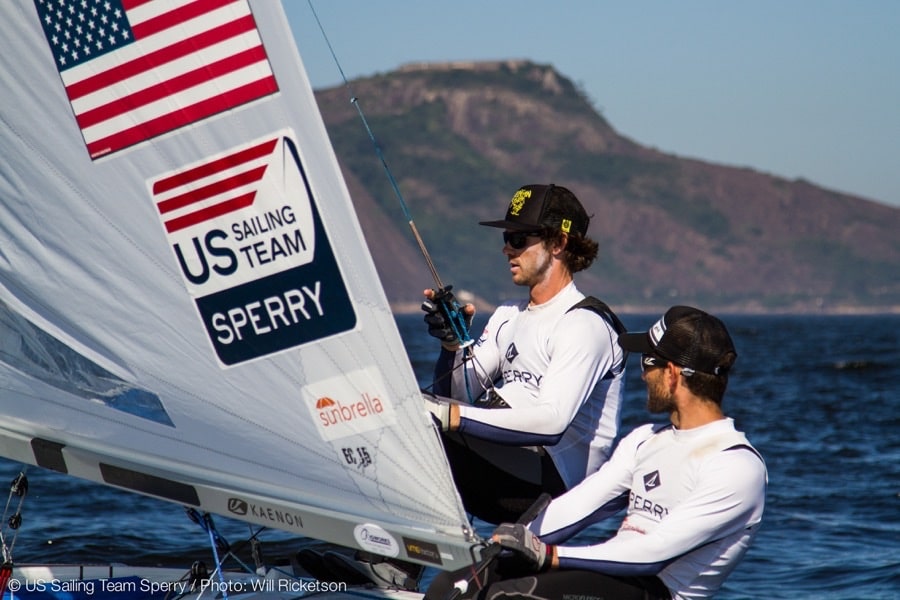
(601, 308)
(606, 313)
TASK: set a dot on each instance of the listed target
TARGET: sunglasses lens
(517, 239)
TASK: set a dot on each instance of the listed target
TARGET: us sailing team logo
(251, 247)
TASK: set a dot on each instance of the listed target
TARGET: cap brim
(510, 225)
(636, 342)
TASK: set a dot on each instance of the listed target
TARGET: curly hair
(565, 213)
(580, 250)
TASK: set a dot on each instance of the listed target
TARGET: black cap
(544, 206)
(687, 337)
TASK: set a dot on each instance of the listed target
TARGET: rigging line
(355, 101)
(213, 538)
(19, 488)
(452, 310)
(486, 383)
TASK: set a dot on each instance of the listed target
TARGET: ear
(560, 244)
(673, 376)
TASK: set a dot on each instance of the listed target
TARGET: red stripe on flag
(223, 208)
(176, 17)
(172, 86)
(129, 4)
(205, 170)
(213, 189)
(183, 116)
(162, 56)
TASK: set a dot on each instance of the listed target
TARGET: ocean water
(819, 397)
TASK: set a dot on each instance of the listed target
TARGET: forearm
(537, 425)
(454, 417)
(443, 373)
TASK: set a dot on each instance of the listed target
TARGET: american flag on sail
(212, 189)
(136, 69)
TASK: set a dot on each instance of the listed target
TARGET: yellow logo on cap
(518, 201)
(566, 225)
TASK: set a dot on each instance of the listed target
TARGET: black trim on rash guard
(610, 567)
(603, 512)
(695, 509)
(509, 437)
(442, 369)
(573, 413)
(746, 447)
(602, 309)
(656, 428)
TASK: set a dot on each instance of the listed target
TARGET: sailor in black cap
(693, 489)
(538, 395)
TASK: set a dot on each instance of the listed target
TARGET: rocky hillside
(461, 138)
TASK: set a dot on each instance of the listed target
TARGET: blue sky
(794, 88)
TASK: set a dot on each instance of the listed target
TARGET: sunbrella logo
(350, 405)
(332, 412)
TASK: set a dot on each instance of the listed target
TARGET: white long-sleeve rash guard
(694, 500)
(560, 371)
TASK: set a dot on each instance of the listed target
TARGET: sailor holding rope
(533, 406)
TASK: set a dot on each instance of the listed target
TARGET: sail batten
(192, 313)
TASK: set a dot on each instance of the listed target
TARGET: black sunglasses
(518, 239)
(648, 361)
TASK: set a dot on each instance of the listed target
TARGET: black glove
(521, 540)
(438, 324)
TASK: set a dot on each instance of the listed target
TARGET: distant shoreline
(408, 308)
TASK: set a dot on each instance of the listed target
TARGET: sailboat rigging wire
(213, 541)
(451, 308)
(486, 388)
(18, 487)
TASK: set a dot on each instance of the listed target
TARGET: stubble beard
(535, 272)
(659, 399)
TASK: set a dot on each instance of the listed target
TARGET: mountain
(460, 138)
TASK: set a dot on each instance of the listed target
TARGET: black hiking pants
(508, 578)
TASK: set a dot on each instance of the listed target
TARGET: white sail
(188, 308)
